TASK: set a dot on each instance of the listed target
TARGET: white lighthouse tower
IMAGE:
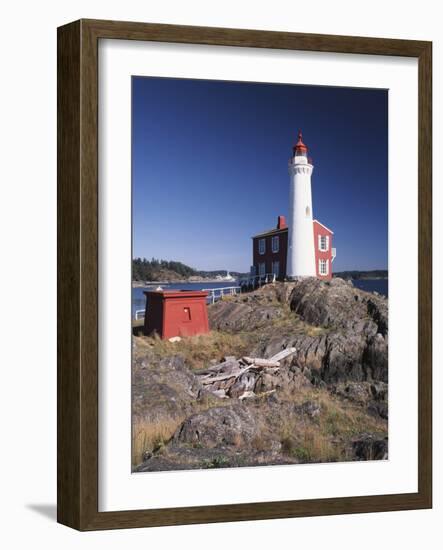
(301, 252)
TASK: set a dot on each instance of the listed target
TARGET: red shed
(172, 313)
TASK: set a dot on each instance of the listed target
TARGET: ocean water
(139, 299)
(372, 285)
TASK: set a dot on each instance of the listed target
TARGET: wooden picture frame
(78, 274)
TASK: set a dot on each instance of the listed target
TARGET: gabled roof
(327, 228)
(276, 230)
(270, 232)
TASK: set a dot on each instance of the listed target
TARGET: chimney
(281, 222)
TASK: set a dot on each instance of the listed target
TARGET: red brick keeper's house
(269, 250)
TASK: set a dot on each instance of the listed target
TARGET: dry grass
(324, 438)
(313, 446)
(295, 325)
(148, 436)
(346, 419)
(153, 434)
(139, 324)
(314, 331)
(197, 351)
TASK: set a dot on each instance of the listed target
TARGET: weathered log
(258, 362)
(283, 354)
(224, 366)
(209, 379)
(220, 393)
(246, 394)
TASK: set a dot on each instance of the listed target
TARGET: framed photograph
(244, 275)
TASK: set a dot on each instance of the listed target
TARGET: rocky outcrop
(372, 396)
(163, 389)
(370, 447)
(338, 304)
(352, 339)
(335, 356)
(226, 426)
(314, 375)
(233, 316)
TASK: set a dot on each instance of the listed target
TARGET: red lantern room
(300, 149)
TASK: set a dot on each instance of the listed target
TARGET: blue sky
(210, 168)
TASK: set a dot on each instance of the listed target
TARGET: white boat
(227, 277)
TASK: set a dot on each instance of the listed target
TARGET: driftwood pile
(240, 377)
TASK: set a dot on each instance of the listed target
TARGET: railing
(214, 295)
(256, 281)
(140, 314)
(222, 291)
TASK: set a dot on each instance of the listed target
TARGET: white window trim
(326, 271)
(275, 243)
(326, 247)
(260, 250)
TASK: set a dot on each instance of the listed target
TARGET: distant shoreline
(373, 274)
(365, 278)
(140, 284)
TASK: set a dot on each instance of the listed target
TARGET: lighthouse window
(308, 211)
(261, 246)
(323, 243)
(275, 244)
(323, 267)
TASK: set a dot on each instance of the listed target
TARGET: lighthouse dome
(300, 149)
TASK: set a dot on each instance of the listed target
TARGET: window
(253, 270)
(323, 267)
(186, 314)
(308, 211)
(323, 243)
(276, 268)
(275, 243)
(262, 269)
(261, 246)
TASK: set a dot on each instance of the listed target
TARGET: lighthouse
(298, 246)
(301, 251)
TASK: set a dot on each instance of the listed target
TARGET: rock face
(370, 447)
(325, 401)
(373, 396)
(234, 316)
(227, 426)
(353, 340)
(164, 389)
(342, 356)
(338, 304)
(352, 343)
